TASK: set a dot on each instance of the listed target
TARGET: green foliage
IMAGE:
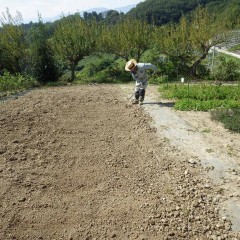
(42, 65)
(178, 48)
(172, 41)
(227, 70)
(202, 97)
(162, 12)
(112, 17)
(226, 12)
(128, 39)
(158, 80)
(223, 101)
(73, 39)
(13, 83)
(12, 43)
(102, 68)
(197, 105)
(229, 117)
(204, 33)
(235, 48)
(186, 45)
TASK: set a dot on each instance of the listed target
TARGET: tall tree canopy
(73, 39)
(12, 42)
(128, 39)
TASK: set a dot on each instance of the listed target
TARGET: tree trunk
(138, 56)
(193, 68)
(73, 66)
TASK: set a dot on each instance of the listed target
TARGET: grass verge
(229, 117)
(223, 101)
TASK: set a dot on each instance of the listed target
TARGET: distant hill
(162, 12)
(123, 9)
(126, 8)
(165, 11)
(97, 10)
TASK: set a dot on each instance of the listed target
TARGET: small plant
(206, 130)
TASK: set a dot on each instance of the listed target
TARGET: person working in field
(139, 74)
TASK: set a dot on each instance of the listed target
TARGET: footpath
(202, 142)
(227, 52)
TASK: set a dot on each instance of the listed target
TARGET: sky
(29, 9)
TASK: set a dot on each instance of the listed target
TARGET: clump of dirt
(76, 162)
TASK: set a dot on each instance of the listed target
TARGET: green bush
(102, 68)
(227, 70)
(229, 117)
(235, 48)
(158, 80)
(14, 83)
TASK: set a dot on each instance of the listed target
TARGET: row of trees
(44, 54)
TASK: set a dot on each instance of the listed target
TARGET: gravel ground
(79, 162)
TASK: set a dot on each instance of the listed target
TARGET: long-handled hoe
(129, 104)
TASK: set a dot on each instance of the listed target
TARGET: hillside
(165, 11)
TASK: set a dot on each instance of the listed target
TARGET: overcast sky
(51, 8)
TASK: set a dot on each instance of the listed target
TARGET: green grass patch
(205, 105)
(202, 97)
(201, 92)
(235, 48)
(206, 97)
(229, 117)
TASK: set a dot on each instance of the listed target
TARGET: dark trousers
(140, 94)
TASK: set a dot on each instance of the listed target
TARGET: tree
(92, 16)
(128, 39)
(42, 65)
(173, 41)
(204, 34)
(112, 17)
(73, 39)
(12, 42)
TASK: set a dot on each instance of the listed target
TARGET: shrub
(227, 70)
(229, 117)
(158, 80)
(100, 68)
(13, 83)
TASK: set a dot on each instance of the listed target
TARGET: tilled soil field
(77, 162)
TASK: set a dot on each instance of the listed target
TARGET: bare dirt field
(78, 162)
